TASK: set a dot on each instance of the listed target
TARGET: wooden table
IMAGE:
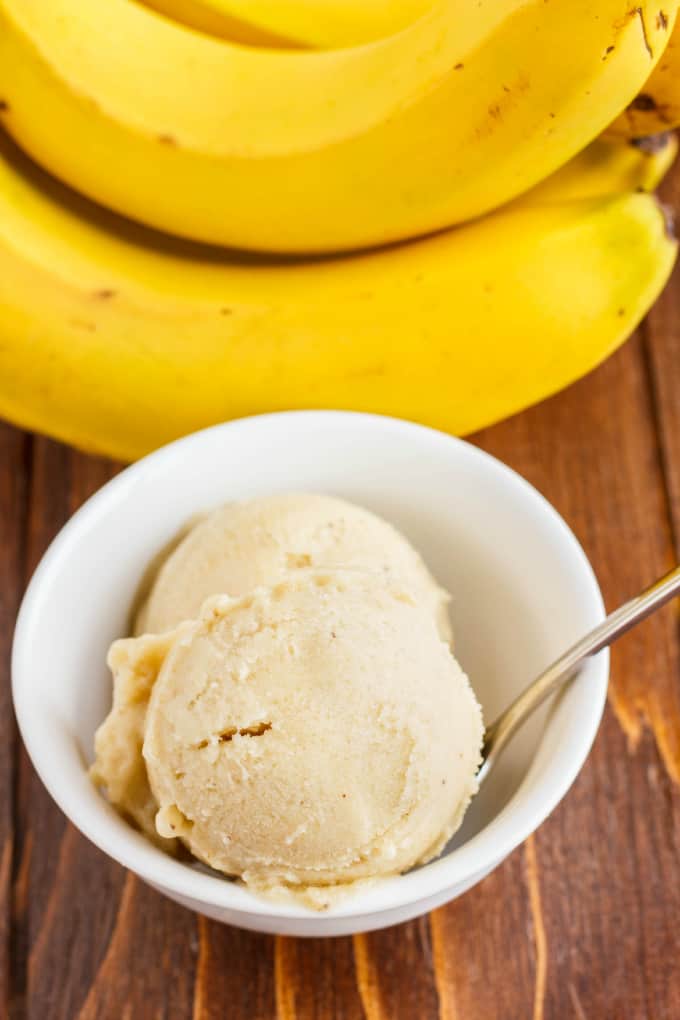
(583, 921)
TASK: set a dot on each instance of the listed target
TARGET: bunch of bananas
(289, 131)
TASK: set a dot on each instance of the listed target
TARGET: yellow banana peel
(117, 340)
(306, 151)
(657, 107)
(324, 24)
(609, 166)
(213, 18)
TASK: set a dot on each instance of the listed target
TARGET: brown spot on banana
(644, 102)
(638, 12)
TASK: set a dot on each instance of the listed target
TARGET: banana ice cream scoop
(240, 546)
(312, 734)
(234, 550)
(118, 767)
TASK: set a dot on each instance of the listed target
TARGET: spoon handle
(566, 667)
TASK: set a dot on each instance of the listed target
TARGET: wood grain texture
(315, 979)
(234, 975)
(491, 923)
(15, 450)
(583, 921)
(662, 338)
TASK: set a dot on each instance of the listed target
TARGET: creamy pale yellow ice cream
(312, 733)
(119, 766)
(240, 546)
(315, 731)
(233, 550)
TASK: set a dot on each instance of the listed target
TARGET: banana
(288, 151)
(657, 107)
(609, 166)
(212, 17)
(117, 340)
(317, 23)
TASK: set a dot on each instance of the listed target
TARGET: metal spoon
(567, 667)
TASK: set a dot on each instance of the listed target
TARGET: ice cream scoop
(243, 545)
(310, 734)
(233, 550)
(118, 767)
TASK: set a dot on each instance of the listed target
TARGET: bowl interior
(522, 591)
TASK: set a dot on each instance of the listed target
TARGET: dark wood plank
(235, 974)
(47, 870)
(662, 336)
(395, 972)
(148, 966)
(315, 979)
(15, 451)
(475, 974)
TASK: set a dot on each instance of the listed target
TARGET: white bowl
(522, 587)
